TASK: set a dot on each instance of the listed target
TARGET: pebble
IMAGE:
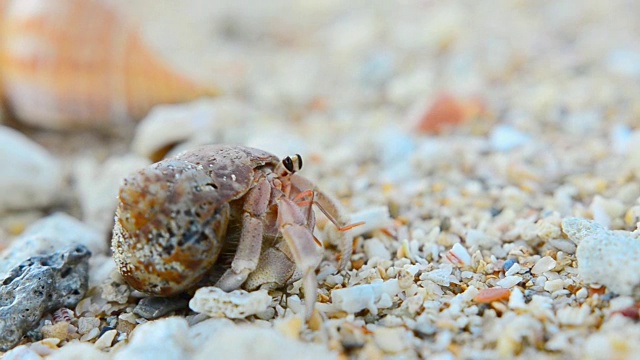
(544, 264)
(86, 324)
(509, 281)
(375, 248)
(605, 257)
(39, 285)
(163, 339)
(252, 342)
(78, 351)
(106, 339)
(506, 138)
(391, 340)
(458, 255)
(365, 296)
(155, 307)
(50, 234)
(34, 177)
(237, 304)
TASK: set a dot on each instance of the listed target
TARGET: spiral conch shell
(68, 64)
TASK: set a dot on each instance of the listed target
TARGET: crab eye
(299, 161)
(288, 164)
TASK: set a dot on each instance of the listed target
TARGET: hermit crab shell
(172, 216)
(85, 63)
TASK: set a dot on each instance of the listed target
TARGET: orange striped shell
(82, 63)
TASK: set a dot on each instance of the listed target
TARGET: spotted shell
(172, 216)
(84, 63)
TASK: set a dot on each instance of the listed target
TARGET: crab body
(175, 217)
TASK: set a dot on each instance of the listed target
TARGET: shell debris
(237, 304)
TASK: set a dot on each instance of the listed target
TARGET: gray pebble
(39, 285)
(155, 307)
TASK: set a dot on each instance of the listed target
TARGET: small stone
(509, 281)
(365, 296)
(546, 263)
(554, 285)
(155, 307)
(514, 269)
(106, 339)
(252, 342)
(506, 138)
(78, 351)
(508, 264)
(59, 330)
(374, 248)
(492, 294)
(458, 255)
(39, 285)
(33, 177)
(160, 339)
(605, 257)
(390, 340)
(237, 304)
(86, 324)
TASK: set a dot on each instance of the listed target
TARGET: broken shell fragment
(67, 64)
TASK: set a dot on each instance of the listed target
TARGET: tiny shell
(492, 294)
(70, 63)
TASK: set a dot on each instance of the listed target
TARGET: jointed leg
(305, 250)
(333, 210)
(247, 255)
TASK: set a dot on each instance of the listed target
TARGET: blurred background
(94, 89)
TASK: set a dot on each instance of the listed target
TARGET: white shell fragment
(161, 339)
(237, 304)
(544, 264)
(365, 296)
(605, 257)
(374, 218)
(458, 255)
(31, 177)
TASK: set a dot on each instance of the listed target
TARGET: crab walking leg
(334, 211)
(247, 255)
(306, 251)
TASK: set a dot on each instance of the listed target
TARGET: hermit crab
(232, 216)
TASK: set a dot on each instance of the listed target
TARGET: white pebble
(78, 351)
(374, 248)
(544, 264)
(554, 285)
(375, 217)
(514, 269)
(92, 334)
(252, 342)
(21, 352)
(365, 296)
(164, 339)
(506, 138)
(509, 281)
(390, 340)
(106, 339)
(458, 255)
(31, 177)
(516, 299)
(86, 324)
(605, 257)
(237, 304)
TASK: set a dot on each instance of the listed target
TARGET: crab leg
(306, 251)
(333, 210)
(247, 255)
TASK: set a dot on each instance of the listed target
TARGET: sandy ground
(486, 145)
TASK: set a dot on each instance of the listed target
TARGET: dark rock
(155, 307)
(38, 285)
